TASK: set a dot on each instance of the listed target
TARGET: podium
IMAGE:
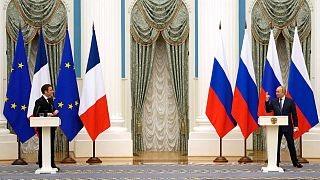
(45, 123)
(272, 124)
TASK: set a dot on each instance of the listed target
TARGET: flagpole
(19, 161)
(94, 159)
(68, 159)
(220, 158)
(21, 57)
(245, 158)
(300, 158)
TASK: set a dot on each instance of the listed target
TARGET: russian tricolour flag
(93, 110)
(41, 75)
(299, 89)
(245, 99)
(271, 76)
(219, 102)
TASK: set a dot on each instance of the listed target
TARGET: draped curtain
(32, 16)
(283, 16)
(160, 119)
(149, 19)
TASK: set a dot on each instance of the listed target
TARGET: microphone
(37, 111)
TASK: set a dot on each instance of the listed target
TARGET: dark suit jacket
(288, 109)
(42, 106)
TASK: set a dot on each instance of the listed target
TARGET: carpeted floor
(251, 171)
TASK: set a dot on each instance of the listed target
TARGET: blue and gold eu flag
(67, 95)
(18, 94)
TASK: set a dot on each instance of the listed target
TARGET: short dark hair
(45, 88)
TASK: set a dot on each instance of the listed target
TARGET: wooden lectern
(45, 123)
(272, 124)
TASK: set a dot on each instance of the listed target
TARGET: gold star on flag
(76, 103)
(60, 104)
(11, 69)
(70, 106)
(6, 99)
(68, 65)
(13, 106)
(23, 108)
(20, 65)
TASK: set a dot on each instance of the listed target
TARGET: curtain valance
(149, 18)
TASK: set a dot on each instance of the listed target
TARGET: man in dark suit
(284, 106)
(44, 106)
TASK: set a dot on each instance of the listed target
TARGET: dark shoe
(54, 166)
(298, 165)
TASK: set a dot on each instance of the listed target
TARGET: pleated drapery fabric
(149, 20)
(160, 119)
(31, 16)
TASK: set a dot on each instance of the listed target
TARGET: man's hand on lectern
(55, 112)
(267, 97)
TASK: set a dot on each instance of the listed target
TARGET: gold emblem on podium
(274, 120)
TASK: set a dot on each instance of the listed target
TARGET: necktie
(51, 107)
(281, 104)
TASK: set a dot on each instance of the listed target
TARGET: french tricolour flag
(271, 76)
(300, 90)
(41, 75)
(93, 110)
(219, 102)
(245, 99)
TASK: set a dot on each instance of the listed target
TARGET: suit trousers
(290, 141)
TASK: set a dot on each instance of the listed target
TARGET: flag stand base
(302, 160)
(93, 160)
(245, 159)
(68, 160)
(220, 159)
(19, 162)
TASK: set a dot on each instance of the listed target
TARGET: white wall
(106, 17)
(311, 140)
(211, 12)
(8, 142)
(203, 139)
(3, 47)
